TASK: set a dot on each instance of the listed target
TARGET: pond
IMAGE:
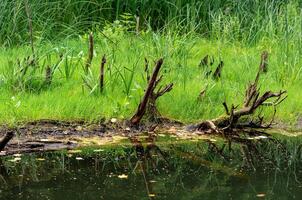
(165, 170)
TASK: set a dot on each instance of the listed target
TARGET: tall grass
(248, 20)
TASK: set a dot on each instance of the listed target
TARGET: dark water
(178, 171)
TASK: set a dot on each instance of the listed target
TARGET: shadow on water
(245, 166)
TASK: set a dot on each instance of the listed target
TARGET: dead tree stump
(148, 103)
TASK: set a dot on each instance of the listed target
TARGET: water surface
(190, 170)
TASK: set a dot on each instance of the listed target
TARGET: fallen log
(3, 142)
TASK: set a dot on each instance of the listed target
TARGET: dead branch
(102, 73)
(8, 136)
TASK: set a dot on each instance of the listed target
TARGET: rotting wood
(3, 142)
(102, 73)
(141, 110)
(90, 52)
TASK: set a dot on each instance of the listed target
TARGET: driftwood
(148, 102)
(253, 100)
(3, 142)
(102, 73)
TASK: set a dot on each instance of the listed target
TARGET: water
(172, 171)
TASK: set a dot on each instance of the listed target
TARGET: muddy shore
(51, 135)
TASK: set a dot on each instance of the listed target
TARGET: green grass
(182, 32)
(68, 98)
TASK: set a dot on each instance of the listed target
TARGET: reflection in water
(245, 167)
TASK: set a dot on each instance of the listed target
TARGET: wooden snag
(102, 73)
(252, 101)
